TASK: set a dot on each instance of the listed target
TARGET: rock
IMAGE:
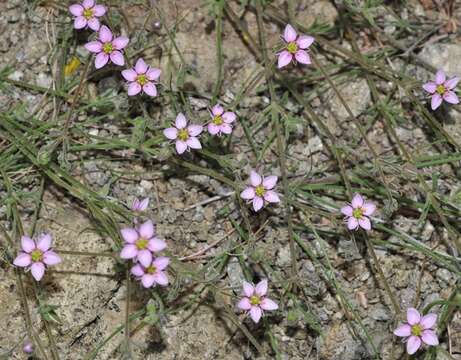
(318, 11)
(284, 256)
(443, 56)
(235, 274)
(338, 344)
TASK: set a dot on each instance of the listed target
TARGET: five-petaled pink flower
(254, 300)
(140, 243)
(140, 205)
(357, 213)
(295, 47)
(260, 190)
(107, 48)
(36, 255)
(418, 329)
(142, 78)
(86, 14)
(221, 121)
(442, 89)
(185, 136)
(153, 273)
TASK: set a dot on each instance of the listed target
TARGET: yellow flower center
(141, 79)
(440, 89)
(292, 47)
(217, 120)
(151, 269)
(36, 255)
(108, 47)
(141, 244)
(255, 300)
(416, 330)
(183, 134)
(260, 191)
(357, 213)
(88, 14)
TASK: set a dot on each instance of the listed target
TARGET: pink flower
(357, 213)
(185, 136)
(36, 255)
(141, 78)
(86, 14)
(107, 48)
(254, 300)
(153, 273)
(140, 205)
(260, 190)
(140, 243)
(418, 330)
(28, 347)
(221, 122)
(441, 89)
(295, 46)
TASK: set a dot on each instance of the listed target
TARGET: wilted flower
(153, 273)
(221, 121)
(260, 190)
(295, 47)
(357, 213)
(28, 347)
(86, 14)
(36, 255)
(442, 89)
(185, 136)
(107, 48)
(140, 243)
(142, 78)
(254, 300)
(140, 205)
(418, 330)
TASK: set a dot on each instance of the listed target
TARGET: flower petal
(258, 203)
(137, 270)
(256, 313)
(144, 257)
(217, 110)
(134, 88)
(430, 87)
(226, 128)
(244, 304)
(44, 242)
(255, 178)
(130, 235)
(347, 210)
(440, 77)
(27, 244)
(194, 130)
(413, 344)
(429, 337)
(248, 193)
(88, 4)
(38, 270)
(150, 89)
(129, 75)
(101, 60)
(147, 280)
(368, 208)
(450, 84)
(94, 46)
(180, 121)
(450, 97)
(76, 9)
(289, 33)
(302, 57)
(129, 251)
(403, 330)
(436, 101)
(213, 129)
(261, 288)
(181, 146)
(161, 278)
(413, 316)
(141, 66)
(22, 260)
(170, 133)
(352, 223)
(147, 229)
(268, 304)
(155, 244)
(428, 321)
(304, 41)
(357, 201)
(80, 22)
(105, 35)
(365, 223)
(271, 196)
(269, 182)
(193, 143)
(99, 10)
(248, 289)
(117, 58)
(229, 117)
(153, 74)
(284, 59)
(94, 24)
(51, 258)
(161, 263)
